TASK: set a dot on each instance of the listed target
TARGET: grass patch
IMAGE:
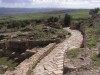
(96, 59)
(91, 36)
(42, 32)
(10, 63)
(73, 53)
(92, 42)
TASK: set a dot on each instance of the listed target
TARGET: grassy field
(75, 14)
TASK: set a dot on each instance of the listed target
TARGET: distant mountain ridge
(12, 11)
(7, 11)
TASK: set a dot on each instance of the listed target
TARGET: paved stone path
(52, 64)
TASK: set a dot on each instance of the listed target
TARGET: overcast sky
(50, 3)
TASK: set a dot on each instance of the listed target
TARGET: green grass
(9, 63)
(80, 14)
(91, 36)
(96, 59)
(73, 53)
(75, 14)
(41, 35)
(92, 28)
(92, 42)
(39, 32)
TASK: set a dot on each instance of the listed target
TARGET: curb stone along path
(52, 64)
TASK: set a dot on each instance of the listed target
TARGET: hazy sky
(50, 3)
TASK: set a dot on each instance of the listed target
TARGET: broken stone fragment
(68, 67)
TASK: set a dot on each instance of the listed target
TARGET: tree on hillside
(67, 20)
(94, 11)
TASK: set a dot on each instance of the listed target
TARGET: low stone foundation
(22, 45)
(27, 65)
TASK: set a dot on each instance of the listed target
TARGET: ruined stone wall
(27, 65)
(23, 45)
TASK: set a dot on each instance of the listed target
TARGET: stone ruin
(19, 50)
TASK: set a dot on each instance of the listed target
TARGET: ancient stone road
(52, 64)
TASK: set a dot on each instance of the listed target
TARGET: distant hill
(10, 11)
(7, 11)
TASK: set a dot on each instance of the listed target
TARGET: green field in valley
(74, 13)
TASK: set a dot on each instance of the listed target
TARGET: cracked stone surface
(52, 64)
